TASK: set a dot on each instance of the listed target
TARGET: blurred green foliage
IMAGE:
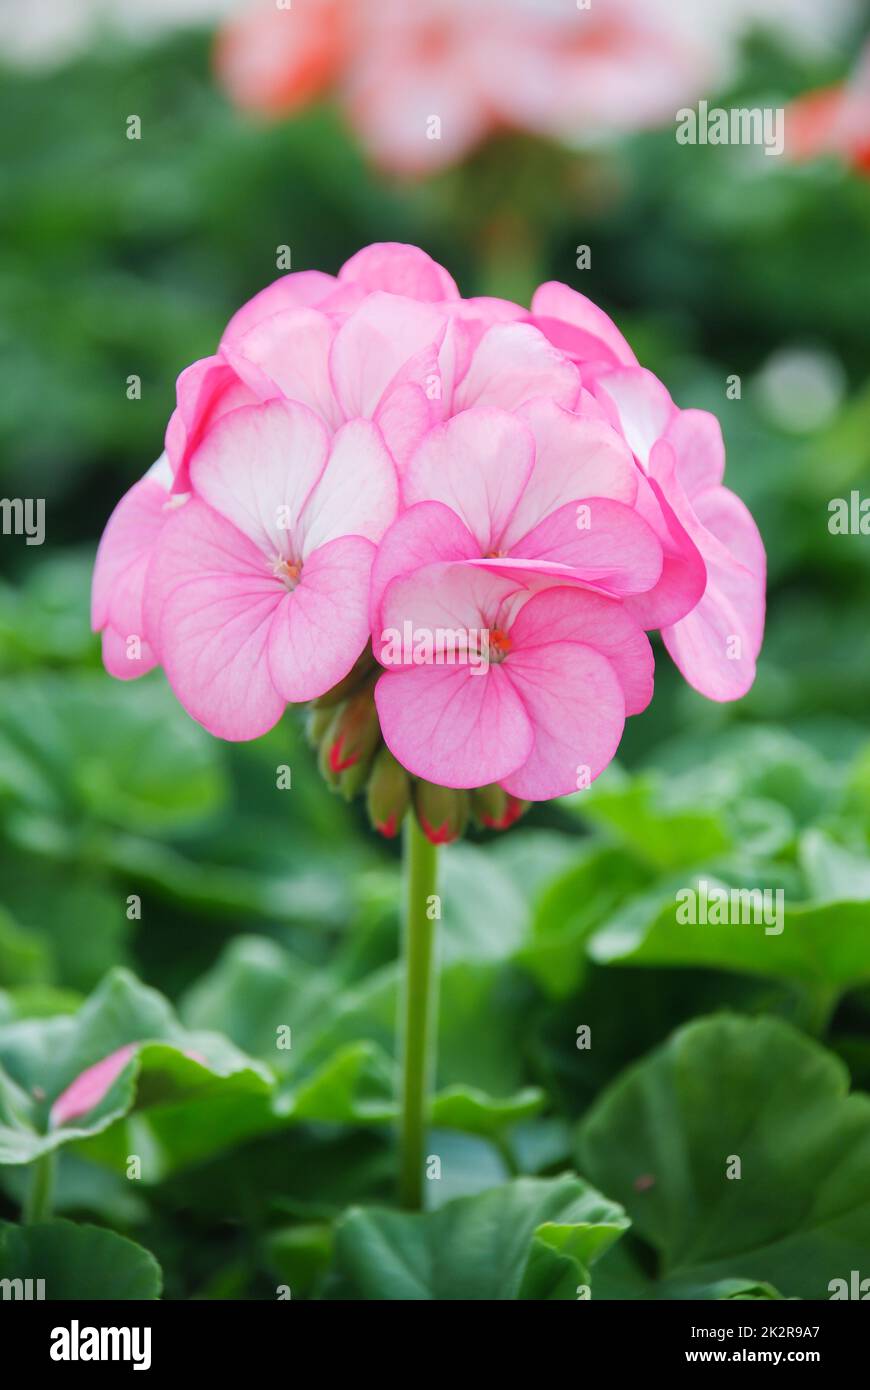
(134, 848)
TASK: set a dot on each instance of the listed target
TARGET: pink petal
(512, 364)
(205, 391)
(321, 628)
(258, 466)
(90, 1086)
(573, 699)
(123, 556)
(594, 335)
(559, 615)
(729, 520)
(288, 354)
(422, 535)
(575, 457)
(212, 598)
(119, 658)
(453, 727)
(399, 269)
(683, 574)
(613, 548)
(357, 493)
(477, 464)
(375, 343)
(638, 405)
(696, 439)
(302, 289)
(448, 596)
(716, 645)
(404, 416)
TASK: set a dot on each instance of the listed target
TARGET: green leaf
(821, 943)
(475, 1112)
(356, 1085)
(181, 1096)
(641, 813)
(339, 1065)
(661, 1140)
(78, 1261)
(24, 959)
(570, 909)
(256, 988)
(151, 768)
(531, 1238)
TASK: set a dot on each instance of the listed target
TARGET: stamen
(286, 570)
(499, 643)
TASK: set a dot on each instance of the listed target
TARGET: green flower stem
(418, 1010)
(39, 1199)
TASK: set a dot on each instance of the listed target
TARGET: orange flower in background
(834, 120)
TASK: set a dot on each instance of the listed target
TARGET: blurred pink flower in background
(834, 120)
(423, 84)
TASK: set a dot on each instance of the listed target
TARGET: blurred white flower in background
(44, 33)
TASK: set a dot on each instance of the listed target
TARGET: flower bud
(388, 794)
(495, 808)
(317, 721)
(441, 811)
(349, 744)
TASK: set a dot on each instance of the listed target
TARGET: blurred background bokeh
(125, 257)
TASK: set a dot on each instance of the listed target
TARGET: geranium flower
(368, 450)
(544, 716)
(258, 590)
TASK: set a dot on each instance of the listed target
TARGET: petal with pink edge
(212, 598)
(595, 334)
(441, 599)
(399, 269)
(638, 405)
(696, 439)
(451, 726)
(592, 620)
(322, 626)
(478, 464)
(125, 661)
(301, 289)
(683, 574)
(373, 345)
(602, 541)
(513, 363)
(424, 534)
(357, 493)
(125, 548)
(288, 354)
(575, 457)
(716, 645)
(574, 701)
(205, 391)
(404, 416)
(258, 466)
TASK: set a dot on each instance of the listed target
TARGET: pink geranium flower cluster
(502, 501)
